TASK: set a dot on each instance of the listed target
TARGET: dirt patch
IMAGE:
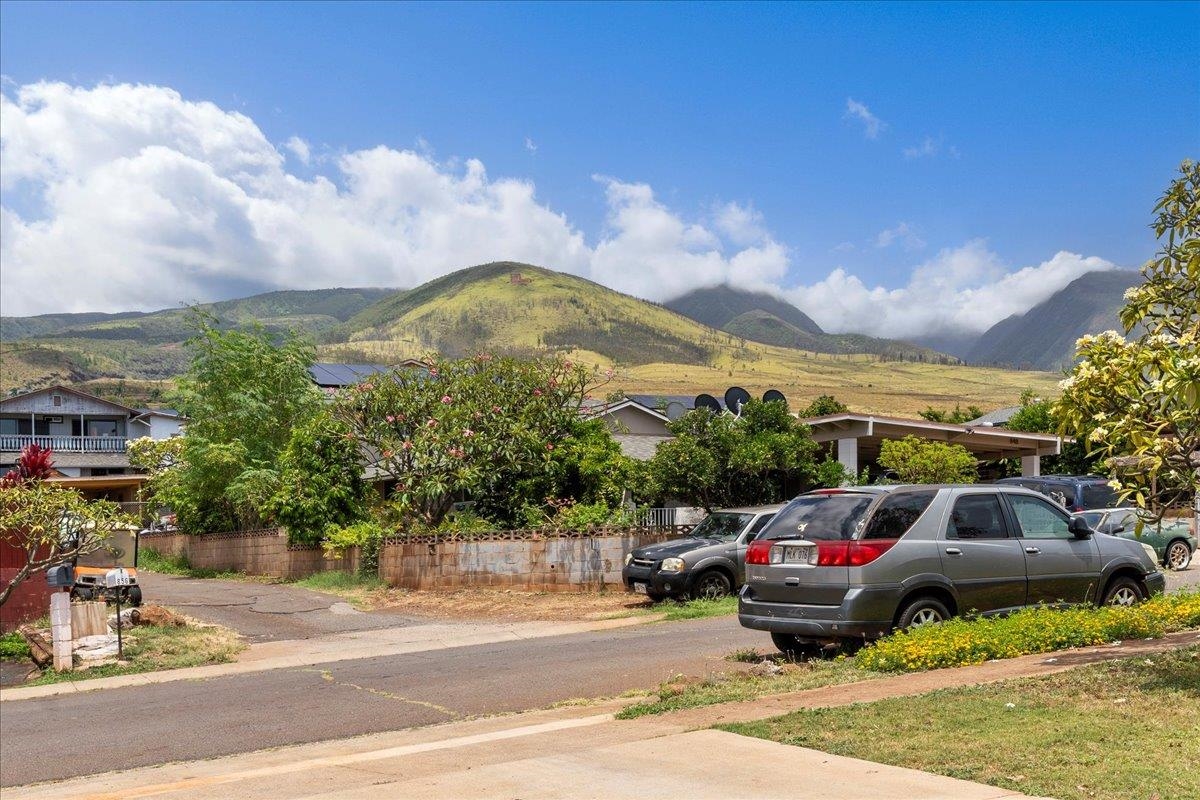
(507, 606)
(162, 617)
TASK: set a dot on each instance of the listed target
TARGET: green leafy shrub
(919, 461)
(320, 480)
(960, 642)
(13, 646)
(367, 536)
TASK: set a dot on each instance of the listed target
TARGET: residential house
(89, 435)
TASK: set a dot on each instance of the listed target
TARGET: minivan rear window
(1098, 495)
(896, 513)
(819, 517)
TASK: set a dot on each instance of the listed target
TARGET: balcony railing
(65, 444)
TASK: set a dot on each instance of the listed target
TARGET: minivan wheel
(711, 585)
(1178, 555)
(794, 648)
(1123, 592)
(922, 611)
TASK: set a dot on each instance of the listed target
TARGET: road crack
(327, 676)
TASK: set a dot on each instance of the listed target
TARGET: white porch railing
(65, 444)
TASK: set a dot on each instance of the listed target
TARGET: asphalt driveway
(264, 612)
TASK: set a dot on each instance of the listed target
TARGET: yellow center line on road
(349, 759)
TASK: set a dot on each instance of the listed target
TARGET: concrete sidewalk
(338, 647)
(561, 753)
(583, 752)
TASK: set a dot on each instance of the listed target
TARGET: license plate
(640, 588)
(797, 555)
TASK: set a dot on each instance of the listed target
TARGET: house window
(56, 400)
(102, 427)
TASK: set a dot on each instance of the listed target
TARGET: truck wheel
(710, 585)
(1123, 592)
(135, 595)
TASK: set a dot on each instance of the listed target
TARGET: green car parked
(1173, 541)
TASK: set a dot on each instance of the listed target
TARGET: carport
(858, 437)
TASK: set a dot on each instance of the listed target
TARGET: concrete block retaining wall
(264, 552)
(527, 560)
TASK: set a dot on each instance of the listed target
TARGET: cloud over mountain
(131, 196)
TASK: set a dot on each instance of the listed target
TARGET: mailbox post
(61, 577)
(116, 579)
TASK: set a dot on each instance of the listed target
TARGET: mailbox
(61, 576)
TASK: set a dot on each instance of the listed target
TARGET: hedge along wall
(529, 560)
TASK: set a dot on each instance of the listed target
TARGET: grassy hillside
(1044, 337)
(487, 308)
(69, 348)
(651, 349)
(312, 312)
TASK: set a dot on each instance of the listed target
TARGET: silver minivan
(838, 565)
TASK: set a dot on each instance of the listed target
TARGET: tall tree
(1140, 399)
(718, 460)
(243, 394)
(464, 427)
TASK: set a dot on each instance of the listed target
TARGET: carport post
(848, 454)
(1031, 466)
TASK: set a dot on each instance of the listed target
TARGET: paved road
(264, 612)
(147, 725)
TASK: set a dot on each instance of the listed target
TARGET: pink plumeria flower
(446, 399)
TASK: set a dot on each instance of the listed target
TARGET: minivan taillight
(852, 554)
(759, 552)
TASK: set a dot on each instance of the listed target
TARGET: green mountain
(76, 347)
(718, 306)
(760, 317)
(517, 308)
(1044, 337)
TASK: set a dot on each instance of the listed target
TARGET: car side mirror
(1079, 528)
(1117, 529)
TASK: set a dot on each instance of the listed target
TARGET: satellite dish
(675, 410)
(709, 402)
(735, 398)
(774, 396)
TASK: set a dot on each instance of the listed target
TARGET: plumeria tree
(48, 524)
(1140, 398)
(461, 426)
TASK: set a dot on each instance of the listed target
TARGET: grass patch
(695, 609)
(149, 648)
(13, 647)
(727, 687)
(960, 642)
(154, 561)
(361, 591)
(1121, 729)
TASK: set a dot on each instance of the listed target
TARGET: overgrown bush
(960, 642)
(367, 536)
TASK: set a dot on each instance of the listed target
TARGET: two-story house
(89, 435)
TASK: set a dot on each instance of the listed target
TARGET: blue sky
(1028, 129)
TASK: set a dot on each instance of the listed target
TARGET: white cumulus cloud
(872, 125)
(964, 289)
(122, 197)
